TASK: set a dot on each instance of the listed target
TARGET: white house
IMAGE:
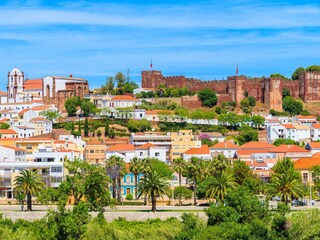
(124, 151)
(12, 154)
(228, 149)
(150, 150)
(203, 152)
(120, 101)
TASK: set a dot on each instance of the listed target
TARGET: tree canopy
(208, 97)
(292, 106)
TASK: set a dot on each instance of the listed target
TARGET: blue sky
(200, 39)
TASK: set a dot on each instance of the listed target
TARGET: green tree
(153, 185)
(252, 101)
(86, 127)
(182, 192)
(87, 107)
(285, 181)
(30, 183)
(136, 169)
(295, 74)
(247, 134)
(286, 92)
(278, 75)
(219, 187)
(257, 121)
(245, 105)
(160, 167)
(71, 105)
(208, 97)
(316, 177)
(4, 126)
(193, 171)
(106, 128)
(129, 197)
(51, 115)
(86, 183)
(313, 68)
(292, 106)
(48, 195)
(284, 141)
(116, 170)
(179, 165)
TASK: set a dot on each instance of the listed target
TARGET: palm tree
(194, 170)
(146, 165)
(112, 171)
(28, 182)
(136, 169)
(220, 185)
(153, 185)
(286, 188)
(179, 165)
(219, 163)
(285, 181)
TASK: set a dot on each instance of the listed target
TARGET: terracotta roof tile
(288, 126)
(316, 125)
(155, 112)
(306, 117)
(314, 144)
(306, 163)
(33, 84)
(316, 155)
(2, 93)
(94, 142)
(197, 151)
(288, 148)
(251, 151)
(257, 145)
(121, 147)
(7, 131)
(225, 145)
(146, 146)
(14, 148)
(123, 98)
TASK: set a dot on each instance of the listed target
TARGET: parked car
(276, 198)
(296, 203)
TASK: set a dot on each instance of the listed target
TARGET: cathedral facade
(50, 89)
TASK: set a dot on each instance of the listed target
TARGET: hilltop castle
(266, 90)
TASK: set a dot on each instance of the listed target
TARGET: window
(140, 154)
(91, 151)
(128, 191)
(128, 179)
(56, 179)
(305, 177)
(29, 146)
(56, 169)
(157, 154)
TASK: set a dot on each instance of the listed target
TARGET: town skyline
(203, 40)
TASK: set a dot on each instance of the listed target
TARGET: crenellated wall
(266, 90)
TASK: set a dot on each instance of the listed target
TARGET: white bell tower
(15, 84)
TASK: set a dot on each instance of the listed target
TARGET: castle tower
(309, 86)
(151, 79)
(15, 84)
(273, 93)
(236, 88)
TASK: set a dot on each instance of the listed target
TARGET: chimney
(70, 75)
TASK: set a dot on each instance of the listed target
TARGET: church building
(49, 90)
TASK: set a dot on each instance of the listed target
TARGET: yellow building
(95, 152)
(182, 141)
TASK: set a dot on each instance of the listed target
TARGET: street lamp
(172, 186)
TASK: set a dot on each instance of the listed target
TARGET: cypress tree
(86, 127)
(106, 128)
(79, 128)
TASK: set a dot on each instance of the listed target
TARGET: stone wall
(293, 86)
(190, 102)
(309, 86)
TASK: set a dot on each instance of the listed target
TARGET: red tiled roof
(314, 144)
(124, 98)
(33, 84)
(288, 148)
(316, 125)
(121, 147)
(7, 131)
(146, 146)
(23, 111)
(2, 93)
(251, 151)
(155, 112)
(225, 145)
(256, 164)
(316, 155)
(306, 163)
(4, 120)
(94, 142)
(41, 108)
(288, 126)
(197, 151)
(257, 145)
(306, 117)
(39, 119)
(14, 148)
